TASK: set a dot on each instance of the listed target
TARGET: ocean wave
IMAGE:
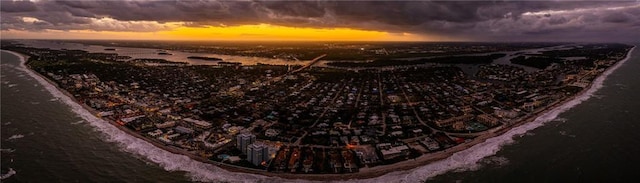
(564, 133)
(10, 173)
(77, 122)
(471, 156)
(7, 150)
(199, 171)
(560, 120)
(530, 134)
(17, 136)
(495, 161)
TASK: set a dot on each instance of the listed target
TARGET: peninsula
(322, 123)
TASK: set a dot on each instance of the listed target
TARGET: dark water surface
(595, 141)
(50, 143)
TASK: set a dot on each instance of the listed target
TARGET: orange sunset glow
(272, 32)
(257, 32)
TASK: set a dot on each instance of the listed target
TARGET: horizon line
(310, 41)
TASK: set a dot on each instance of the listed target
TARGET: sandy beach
(364, 172)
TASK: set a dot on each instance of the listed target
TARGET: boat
(109, 49)
(164, 53)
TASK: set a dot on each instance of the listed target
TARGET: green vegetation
(484, 59)
(535, 61)
(591, 52)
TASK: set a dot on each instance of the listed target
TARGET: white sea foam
(205, 172)
(12, 85)
(496, 160)
(562, 132)
(470, 157)
(530, 134)
(598, 96)
(17, 136)
(8, 150)
(560, 120)
(198, 171)
(77, 122)
(10, 173)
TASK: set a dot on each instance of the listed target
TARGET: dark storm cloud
(478, 20)
(18, 6)
(617, 17)
(296, 8)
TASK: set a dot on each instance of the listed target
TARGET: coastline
(365, 173)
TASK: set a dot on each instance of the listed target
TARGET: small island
(205, 58)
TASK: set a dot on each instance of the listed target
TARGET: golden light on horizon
(254, 32)
(275, 33)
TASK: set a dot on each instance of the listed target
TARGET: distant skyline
(570, 20)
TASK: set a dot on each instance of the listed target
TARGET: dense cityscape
(357, 118)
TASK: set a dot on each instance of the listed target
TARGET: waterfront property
(318, 120)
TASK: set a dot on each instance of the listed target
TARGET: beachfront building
(257, 153)
(487, 119)
(198, 123)
(243, 140)
(454, 120)
(390, 152)
(530, 106)
(506, 113)
(166, 124)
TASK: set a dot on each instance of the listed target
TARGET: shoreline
(365, 173)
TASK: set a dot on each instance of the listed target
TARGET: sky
(333, 20)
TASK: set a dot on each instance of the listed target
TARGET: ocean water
(597, 140)
(45, 138)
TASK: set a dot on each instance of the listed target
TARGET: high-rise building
(243, 140)
(257, 153)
